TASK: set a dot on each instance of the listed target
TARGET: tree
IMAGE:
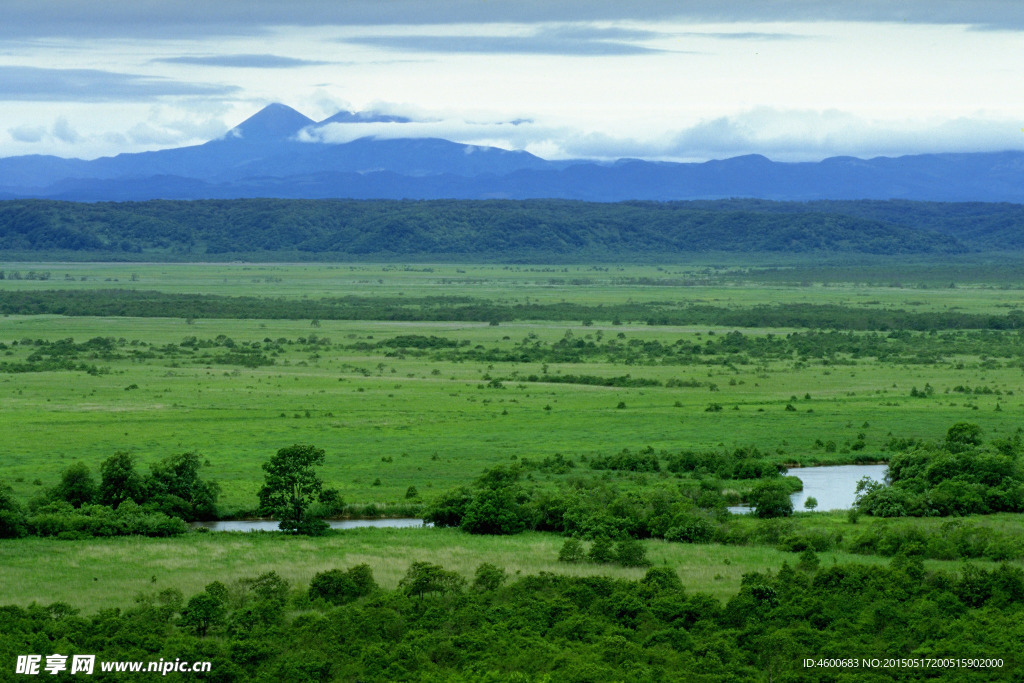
(629, 552)
(12, 515)
(962, 436)
(424, 577)
(771, 499)
(203, 611)
(76, 486)
(291, 486)
(572, 551)
(601, 551)
(119, 481)
(338, 587)
(494, 511)
(488, 577)
(175, 483)
(811, 503)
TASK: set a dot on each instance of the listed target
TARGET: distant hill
(508, 230)
(268, 156)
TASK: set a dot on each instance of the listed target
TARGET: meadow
(432, 404)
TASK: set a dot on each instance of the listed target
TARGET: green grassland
(103, 573)
(432, 419)
(391, 416)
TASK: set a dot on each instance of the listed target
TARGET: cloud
(782, 135)
(804, 135)
(743, 35)
(242, 61)
(28, 83)
(63, 131)
(27, 133)
(159, 18)
(60, 131)
(581, 40)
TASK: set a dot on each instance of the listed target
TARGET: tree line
(148, 304)
(437, 626)
(506, 230)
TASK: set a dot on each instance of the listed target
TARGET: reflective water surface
(265, 525)
(834, 487)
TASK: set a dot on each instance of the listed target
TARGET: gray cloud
(242, 61)
(744, 35)
(33, 84)
(63, 131)
(565, 40)
(27, 133)
(159, 18)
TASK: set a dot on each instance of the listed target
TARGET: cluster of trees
(499, 504)
(140, 303)
(122, 502)
(42, 355)
(436, 626)
(958, 476)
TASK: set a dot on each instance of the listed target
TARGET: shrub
(338, 587)
(488, 577)
(629, 552)
(572, 551)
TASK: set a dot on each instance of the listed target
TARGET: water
(834, 487)
(265, 525)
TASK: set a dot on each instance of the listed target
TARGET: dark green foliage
(494, 511)
(958, 477)
(206, 610)
(892, 346)
(629, 552)
(690, 529)
(129, 519)
(290, 487)
(175, 483)
(119, 481)
(963, 435)
(540, 230)
(549, 627)
(450, 508)
(602, 550)
(76, 486)
(423, 578)
(771, 499)
(12, 514)
(488, 577)
(339, 587)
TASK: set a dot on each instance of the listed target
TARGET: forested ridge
(528, 230)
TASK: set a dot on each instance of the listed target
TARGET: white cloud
(780, 134)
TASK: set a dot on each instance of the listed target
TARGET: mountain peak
(273, 122)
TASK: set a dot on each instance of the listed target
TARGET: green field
(430, 418)
(391, 416)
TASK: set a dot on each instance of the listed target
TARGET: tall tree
(290, 488)
(76, 486)
(119, 481)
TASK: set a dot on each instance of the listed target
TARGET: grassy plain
(104, 573)
(390, 419)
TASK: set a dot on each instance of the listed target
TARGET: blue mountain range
(266, 156)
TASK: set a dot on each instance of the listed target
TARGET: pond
(270, 525)
(835, 487)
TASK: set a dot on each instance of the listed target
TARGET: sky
(681, 80)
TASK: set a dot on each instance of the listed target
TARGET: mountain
(266, 156)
